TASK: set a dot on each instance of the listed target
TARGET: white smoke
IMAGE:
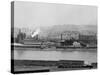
(35, 33)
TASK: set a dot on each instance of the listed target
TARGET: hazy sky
(32, 14)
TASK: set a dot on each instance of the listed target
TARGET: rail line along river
(55, 54)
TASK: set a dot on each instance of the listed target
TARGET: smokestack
(37, 37)
(61, 36)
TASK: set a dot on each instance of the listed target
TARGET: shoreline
(55, 49)
(38, 65)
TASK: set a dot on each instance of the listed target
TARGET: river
(89, 56)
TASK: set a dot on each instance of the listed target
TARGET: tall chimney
(36, 37)
(61, 36)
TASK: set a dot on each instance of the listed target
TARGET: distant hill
(83, 29)
(58, 29)
(61, 28)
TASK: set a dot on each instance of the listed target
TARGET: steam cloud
(35, 33)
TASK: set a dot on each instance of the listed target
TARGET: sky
(34, 14)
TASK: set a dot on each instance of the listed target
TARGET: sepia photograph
(49, 37)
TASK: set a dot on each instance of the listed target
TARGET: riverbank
(44, 47)
(55, 49)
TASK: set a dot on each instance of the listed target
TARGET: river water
(89, 56)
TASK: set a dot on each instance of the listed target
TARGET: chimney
(61, 36)
(37, 37)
